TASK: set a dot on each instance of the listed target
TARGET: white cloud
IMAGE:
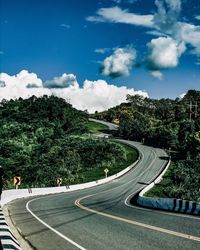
(94, 95)
(64, 81)
(157, 74)
(182, 95)
(117, 15)
(190, 34)
(16, 86)
(102, 50)
(197, 17)
(164, 53)
(64, 25)
(155, 33)
(97, 95)
(119, 63)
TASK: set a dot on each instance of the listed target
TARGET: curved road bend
(101, 218)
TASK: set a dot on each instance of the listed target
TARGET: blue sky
(50, 38)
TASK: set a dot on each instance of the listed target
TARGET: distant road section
(110, 125)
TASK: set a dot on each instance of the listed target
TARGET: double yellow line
(136, 223)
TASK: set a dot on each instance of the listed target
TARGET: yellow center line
(159, 229)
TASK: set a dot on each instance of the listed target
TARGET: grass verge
(98, 172)
(95, 127)
(161, 189)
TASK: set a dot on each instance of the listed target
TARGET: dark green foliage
(44, 138)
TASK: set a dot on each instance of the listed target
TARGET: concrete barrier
(169, 204)
(7, 239)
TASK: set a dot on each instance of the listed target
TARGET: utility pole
(193, 110)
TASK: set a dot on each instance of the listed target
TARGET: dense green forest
(45, 138)
(170, 124)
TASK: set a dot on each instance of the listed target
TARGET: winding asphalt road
(102, 218)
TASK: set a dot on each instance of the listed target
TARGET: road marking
(136, 223)
(157, 211)
(51, 228)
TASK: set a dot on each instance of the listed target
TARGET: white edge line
(155, 210)
(51, 228)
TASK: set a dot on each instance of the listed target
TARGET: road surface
(101, 218)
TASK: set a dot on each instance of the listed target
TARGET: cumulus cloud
(64, 81)
(18, 86)
(97, 95)
(117, 15)
(157, 74)
(164, 53)
(119, 63)
(94, 95)
(197, 17)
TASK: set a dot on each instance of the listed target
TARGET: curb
(168, 204)
(7, 239)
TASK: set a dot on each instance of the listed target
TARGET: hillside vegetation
(170, 124)
(45, 138)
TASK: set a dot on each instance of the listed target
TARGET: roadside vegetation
(45, 138)
(173, 125)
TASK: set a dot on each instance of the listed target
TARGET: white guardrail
(12, 194)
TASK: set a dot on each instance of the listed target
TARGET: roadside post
(59, 181)
(106, 172)
(17, 181)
